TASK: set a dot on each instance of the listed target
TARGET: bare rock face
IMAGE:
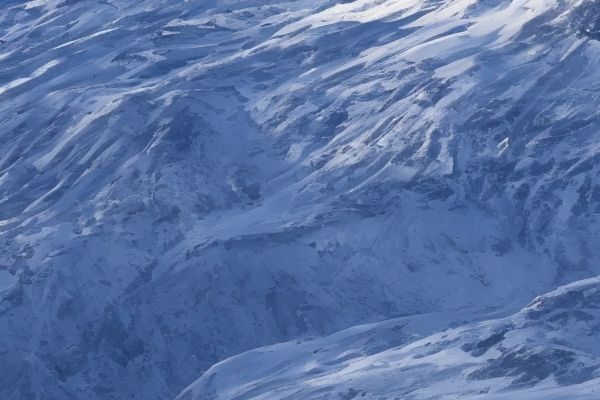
(587, 18)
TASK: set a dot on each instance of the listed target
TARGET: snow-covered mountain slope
(549, 350)
(184, 181)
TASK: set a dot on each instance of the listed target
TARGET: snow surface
(549, 350)
(181, 182)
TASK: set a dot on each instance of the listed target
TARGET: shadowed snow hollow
(184, 181)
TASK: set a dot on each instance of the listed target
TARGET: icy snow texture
(181, 181)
